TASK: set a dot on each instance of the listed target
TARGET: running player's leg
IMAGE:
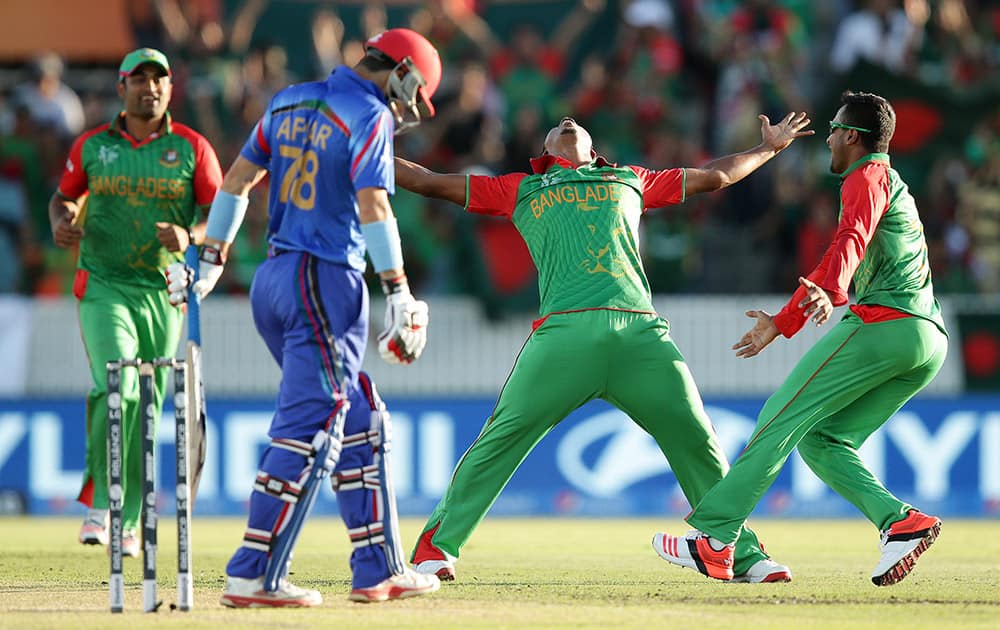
(158, 328)
(830, 449)
(559, 368)
(313, 317)
(109, 333)
(650, 382)
(835, 372)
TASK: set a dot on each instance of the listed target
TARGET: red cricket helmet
(418, 72)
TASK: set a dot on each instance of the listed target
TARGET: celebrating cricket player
(598, 335)
(888, 347)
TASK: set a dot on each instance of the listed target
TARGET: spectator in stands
(816, 231)
(880, 33)
(24, 232)
(979, 203)
(529, 69)
(49, 101)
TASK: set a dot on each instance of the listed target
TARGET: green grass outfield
(544, 573)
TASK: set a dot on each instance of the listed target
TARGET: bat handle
(194, 302)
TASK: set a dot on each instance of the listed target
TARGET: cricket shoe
(443, 569)
(250, 593)
(407, 584)
(429, 560)
(902, 544)
(695, 551)
(764, 571)
(130, 543)
(94, 530)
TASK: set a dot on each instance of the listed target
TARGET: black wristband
(191, 237)
(392, 286)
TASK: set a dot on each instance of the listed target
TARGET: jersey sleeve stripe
(335, 119)
(364, 150)
(262, 139)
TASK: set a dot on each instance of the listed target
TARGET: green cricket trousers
(625, 358)
(122, 321)
(844, 388)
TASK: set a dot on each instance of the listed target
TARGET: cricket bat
(195, 386)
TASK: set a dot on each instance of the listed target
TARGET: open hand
(779, 136)
(758, 337)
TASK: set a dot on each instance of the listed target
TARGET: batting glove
(209, 271)
(179, 278)
(406, 319)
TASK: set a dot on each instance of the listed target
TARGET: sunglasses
(836, 125)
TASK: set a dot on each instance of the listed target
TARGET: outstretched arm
(575, 23)
(423, 181)
(730, 169)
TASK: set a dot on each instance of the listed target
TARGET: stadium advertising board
(940, 454)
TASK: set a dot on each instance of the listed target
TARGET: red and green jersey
(880, 245)
(132, 185)
(581, 227)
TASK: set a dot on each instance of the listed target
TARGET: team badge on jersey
(107, 155)
(609, 176)
(169, 158)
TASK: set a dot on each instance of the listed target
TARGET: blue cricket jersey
(321, 142)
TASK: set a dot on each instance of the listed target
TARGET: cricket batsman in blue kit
(328, 146)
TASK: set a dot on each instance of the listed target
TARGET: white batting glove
(179, 278)
(406, 320)
(209, 271)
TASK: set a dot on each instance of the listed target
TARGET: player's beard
(835, 167)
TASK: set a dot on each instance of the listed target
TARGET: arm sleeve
(660, 188)
(495, 196)
(791, 318)
(865, 197)
(371, 153)
(207, 173)
(74, 179)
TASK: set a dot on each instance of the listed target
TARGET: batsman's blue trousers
(313, 316)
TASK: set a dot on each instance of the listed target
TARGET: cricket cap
(138, 57)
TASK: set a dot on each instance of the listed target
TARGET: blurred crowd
(660, 83)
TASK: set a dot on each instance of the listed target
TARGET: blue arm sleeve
(382, 241)
(226, 216)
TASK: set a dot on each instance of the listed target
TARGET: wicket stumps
(148, 518)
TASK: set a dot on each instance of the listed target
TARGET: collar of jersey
(116, 129)
(345, 74)
(543, 163)
(871, 157)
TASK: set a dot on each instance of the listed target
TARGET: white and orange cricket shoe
(407, 584)
(443, 569)
(130, 543)
(94, 530)
(429, 560)
(902, 544)
(764, 571)
(695, 551)
(250, 593)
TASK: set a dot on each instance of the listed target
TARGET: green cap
(138, 57)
